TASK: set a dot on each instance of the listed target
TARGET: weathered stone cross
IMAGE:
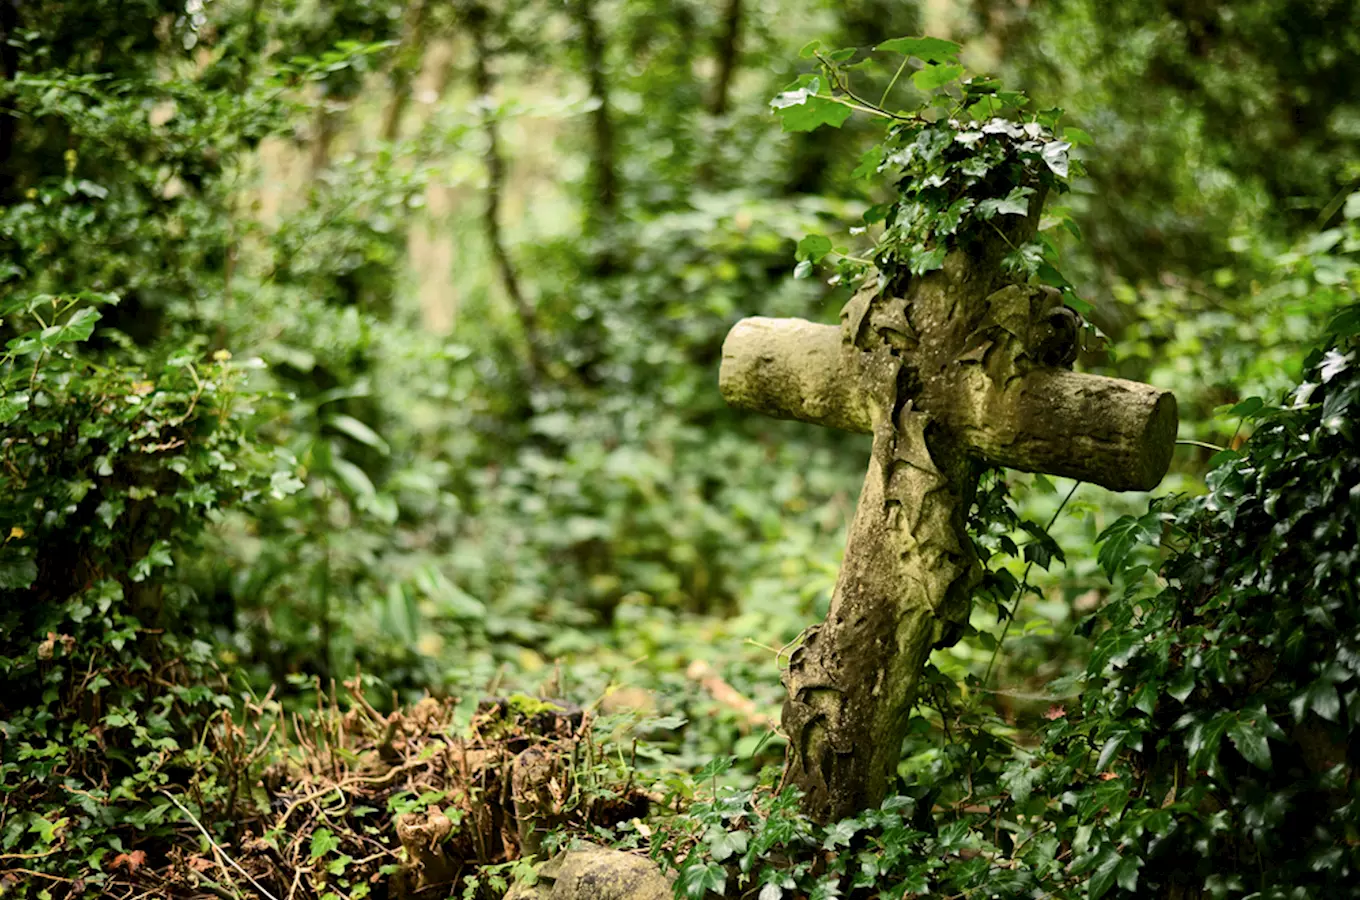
(954, 371)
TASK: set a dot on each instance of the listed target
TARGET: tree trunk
(404, 68)
(604, 188)
(727, 57)
(495, 181)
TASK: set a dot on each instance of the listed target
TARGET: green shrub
(111, 468)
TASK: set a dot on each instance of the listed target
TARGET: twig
(348, 782)
(38, 874)
(1020, 594)
(1205, 444)
(217, 848)
(896, 75)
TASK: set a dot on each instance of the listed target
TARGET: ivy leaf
(1019, 779)
(923, 260)
(1105, 874)
(1077, 137)
(1024, 259)
(1352, 210)
(1016, 203)
(1127, 873)
(949, 220)
(722, 843)
(813, 247)
(933, 77)
(1250, 742)
(1043, 549)
(12, 405)
(1118, 541)
(77, 328)
(1110, 750)
(1182, 685)
(1055, 157)
(927, 48)
(869, 163)
(698, 880)
(1333, 364)
(841, 833)
(17, 574)
(323, 842)
(802, 107)
(158, 556)
(1320, 697)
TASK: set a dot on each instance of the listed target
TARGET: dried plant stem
(217, 848)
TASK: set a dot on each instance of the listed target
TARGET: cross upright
(950, 372)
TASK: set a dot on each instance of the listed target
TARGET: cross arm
(1112, 432)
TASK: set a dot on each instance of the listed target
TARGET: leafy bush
(112, 470)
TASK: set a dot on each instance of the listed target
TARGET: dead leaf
(199, 864)
(130, 861)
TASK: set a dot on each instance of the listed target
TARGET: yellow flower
(221, 355)
(16, 532)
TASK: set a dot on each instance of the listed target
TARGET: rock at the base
(591, 872)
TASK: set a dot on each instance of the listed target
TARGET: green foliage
(963, 157)
(111, 472)
(364, 482)
(1226, 690)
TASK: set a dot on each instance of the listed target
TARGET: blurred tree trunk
(604, 187)
(324, 127)
(9, 62)
(404, 68)
(475, 19)
(727, 57)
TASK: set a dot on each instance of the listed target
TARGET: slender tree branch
(1020, 594)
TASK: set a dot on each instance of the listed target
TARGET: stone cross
(949, 372)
